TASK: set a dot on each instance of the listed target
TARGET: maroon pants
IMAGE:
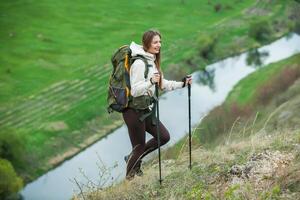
(137, 132)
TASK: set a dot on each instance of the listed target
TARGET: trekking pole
(190, 136)
(157, 130)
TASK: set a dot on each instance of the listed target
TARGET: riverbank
(60, 136)
(256, 158)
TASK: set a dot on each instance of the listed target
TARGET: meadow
(55, 62)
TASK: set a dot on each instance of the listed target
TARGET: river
(108, 153)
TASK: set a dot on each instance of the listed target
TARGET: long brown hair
(147, 39)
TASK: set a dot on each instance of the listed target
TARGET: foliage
(260, 31)
(206, 46)
(10, 183)
(12, 147)
(230, 192)
(218, 7)
(277, 84)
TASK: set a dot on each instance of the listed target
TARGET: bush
(10, 183)
(218, 7)
(221, 119)
(296, 27)
(11, 147)
(175, 72)
(260, 31)
(278, 84)
(207, 45)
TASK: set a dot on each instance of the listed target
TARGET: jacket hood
(137, 49)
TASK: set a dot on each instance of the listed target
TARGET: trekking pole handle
(189, 85)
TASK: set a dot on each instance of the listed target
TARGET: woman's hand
(187, 80)
(155, 78)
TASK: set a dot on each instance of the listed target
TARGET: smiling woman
(141, 119)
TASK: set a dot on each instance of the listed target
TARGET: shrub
(297, 27)
(10, 183)
(278, 84)
(11, 147)
(175, 72)
(221, 119)
(207, 45)
(260, 31)
(218, 7)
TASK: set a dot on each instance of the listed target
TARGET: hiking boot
(137, 169)
(131, 175)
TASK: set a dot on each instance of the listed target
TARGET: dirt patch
(260, 8)
(55, 126)
(98, 133)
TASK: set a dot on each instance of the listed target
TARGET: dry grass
(211, 177)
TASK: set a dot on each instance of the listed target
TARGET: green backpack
(119, 97)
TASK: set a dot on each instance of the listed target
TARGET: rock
(236, 170)
(260, 168)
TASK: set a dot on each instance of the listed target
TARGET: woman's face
(155, 45)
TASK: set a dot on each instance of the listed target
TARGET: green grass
(55, 58)
(245, 91)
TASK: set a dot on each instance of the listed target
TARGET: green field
(55, 61)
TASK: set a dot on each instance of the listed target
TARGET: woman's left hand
(187, 80)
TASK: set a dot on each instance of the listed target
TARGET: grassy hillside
(55, 61)
(257, 158)
(246, 102)
(262, 166)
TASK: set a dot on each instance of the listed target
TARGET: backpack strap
(146, 64)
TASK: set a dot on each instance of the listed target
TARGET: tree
(10, 183)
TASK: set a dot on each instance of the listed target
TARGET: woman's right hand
(155, 78)
(187, 80)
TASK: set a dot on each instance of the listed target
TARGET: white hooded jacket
(141, 86)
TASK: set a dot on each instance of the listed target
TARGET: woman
(138, 120)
